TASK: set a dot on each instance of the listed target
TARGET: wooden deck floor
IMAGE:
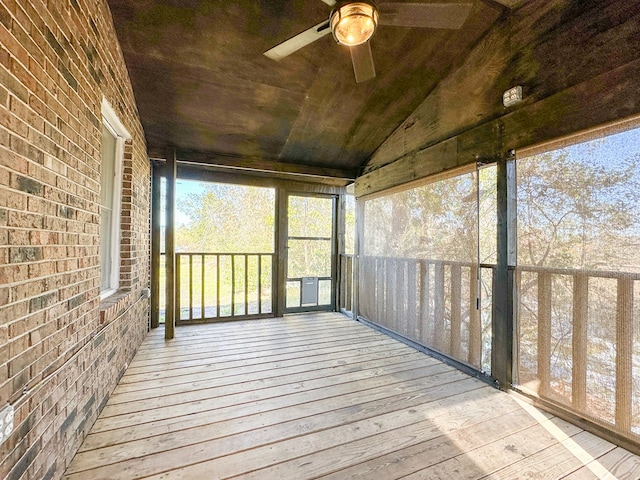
(321, 396)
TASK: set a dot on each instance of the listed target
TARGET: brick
(29, 185)
(25, 254)
(42, 301)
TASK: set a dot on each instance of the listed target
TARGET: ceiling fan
(353, 23)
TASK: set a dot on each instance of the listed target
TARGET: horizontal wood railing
(576, 343)
(213, 286)
(435, 303)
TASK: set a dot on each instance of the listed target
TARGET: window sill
(113, 305)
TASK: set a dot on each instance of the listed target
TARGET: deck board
(321, 396)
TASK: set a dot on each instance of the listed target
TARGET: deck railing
(577, 343)
(435, 303)
(214, 286)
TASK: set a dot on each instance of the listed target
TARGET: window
(113, 137)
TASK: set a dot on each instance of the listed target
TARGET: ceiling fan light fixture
(353, 23)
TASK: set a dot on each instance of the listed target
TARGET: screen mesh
(419, 272)
(578, 266)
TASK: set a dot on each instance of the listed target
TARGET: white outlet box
(512, 96)
(6, 422)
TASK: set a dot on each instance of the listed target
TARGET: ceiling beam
(259, 165)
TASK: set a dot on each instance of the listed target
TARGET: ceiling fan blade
(362, 59)
(331, 3)
(425, 15)
(301, 40)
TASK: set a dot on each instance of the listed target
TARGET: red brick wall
(61, 349)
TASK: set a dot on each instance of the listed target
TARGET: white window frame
(113, 124)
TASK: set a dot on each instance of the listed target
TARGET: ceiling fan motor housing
(353, 23)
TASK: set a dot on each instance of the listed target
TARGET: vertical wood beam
(502, 314)
(624, 354)
(155, 243)
(280, 236)
(170, 251)
(579, 342)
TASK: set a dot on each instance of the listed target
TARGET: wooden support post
(279, 270)
(624, 354)
(155, 243)
(502, 314)
(579, 342)
(170, 261)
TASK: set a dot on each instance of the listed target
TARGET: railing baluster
(380, 288)
(202, 285)
(412, 307)
(190, 286)
(233, 285)
(349, 295)
(475, 327)
(401, 296)
(425, 298)
(246, 284)
(218, 310)
(544, 332)
(579, 342)
(178, 268)
(259, 284)
(624, 354)
(438, 307)
(456, 312)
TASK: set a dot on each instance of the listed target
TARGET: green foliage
(227, 218)
(576, 212)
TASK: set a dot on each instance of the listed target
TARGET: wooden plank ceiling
(202, 84)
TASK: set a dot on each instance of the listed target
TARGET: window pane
(221, 218)
(309, 258)
(310, 216)
(107, 201)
